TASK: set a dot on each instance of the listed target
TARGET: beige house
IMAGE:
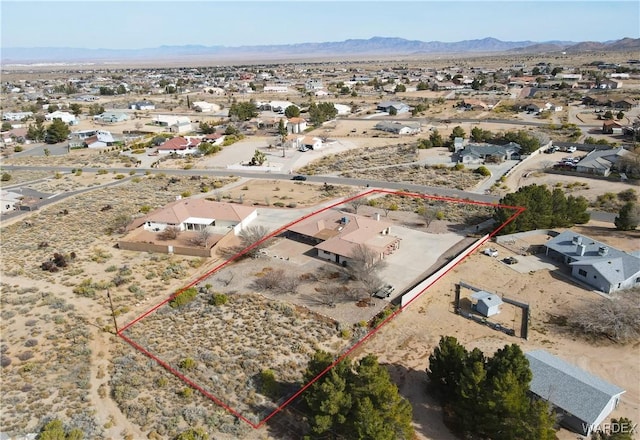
(335, 235)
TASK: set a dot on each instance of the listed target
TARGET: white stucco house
(66, 117)
(196, 215)
(296, 125)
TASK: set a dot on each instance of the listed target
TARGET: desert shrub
(617, 318)
(267, 383)
(279, 204)
(186, 393)
(483, 171)
(628, 195)
(380, 317)
(458, 167)
(169, 233)
(187, 364)
(5, 177)
(184, 297)
(25, 355)
(219, 299)
(5, 361)
(119, 176)
(31, 343)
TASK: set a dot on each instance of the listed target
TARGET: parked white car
(492, 252)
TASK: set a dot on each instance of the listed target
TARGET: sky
(120, 24)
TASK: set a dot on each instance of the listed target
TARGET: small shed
(487, 304)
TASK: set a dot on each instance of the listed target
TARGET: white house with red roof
(180, 145)
(296, 125)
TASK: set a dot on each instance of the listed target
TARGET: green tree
(436, 138)
(355, 401)
(445, 366)
(457, 132)
(393, 111)
(539, 213)
(620, 115)
(58, 131)
(400, 88)
(36, 132)
(258, 158)
(6, 126)
(320, 113)
(121, 90)
(292, 111)
(106, 91)
(243, 110)
(5, 177)
(480, 135)
(76, 109)
(608, 114)
(96, 109)
(628, 217)
(422, 86)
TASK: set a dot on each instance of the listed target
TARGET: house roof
(615, 267)
(602, 159)
(396, 104)
(176, 143)
(490, 299)
(610, 123)
(178, 211)
(568, 387)
(481, 150)
(342, 237)
(296, 120)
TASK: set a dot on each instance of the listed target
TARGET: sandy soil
(406, 342)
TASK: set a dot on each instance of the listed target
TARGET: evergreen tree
(628, 217)
(58, 131)
(445, 366)
(355, 401)
(292, 111)
(457, 132)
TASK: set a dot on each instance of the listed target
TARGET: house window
(582, 272)
(637, 280)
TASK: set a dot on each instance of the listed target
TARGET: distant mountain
(352, 47)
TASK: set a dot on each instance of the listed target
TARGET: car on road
(492, 252)
(510, 260)
(299, 177)
(384, 292)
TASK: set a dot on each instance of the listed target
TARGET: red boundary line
(518, 210)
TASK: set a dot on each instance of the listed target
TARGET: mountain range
(386, 46)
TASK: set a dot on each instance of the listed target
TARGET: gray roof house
(400, 107)
(397, 127)
(596, 264)
(488, 304)
(600, 162)
(583, 400)
(479, 153)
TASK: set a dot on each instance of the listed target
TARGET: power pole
(113, 315)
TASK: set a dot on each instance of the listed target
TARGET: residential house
(596, 264)
(205, 107)
(16, 116)
(179, 145)
(582, 399)
(309, 143)
(111, 117)
(296, 125)
(66, 117)
(276, 89)
(487, 304)
(474, 104)
(601, 162)
(335, 235)
(175, 124)
(14, 135)
(481, 153)
(196, 215)
(611, 127)
(142, 105)
(9, 200)
(191, 217)
(625, 104)
(100, 139)
(398, 127)
(399, 107)
(313, 84)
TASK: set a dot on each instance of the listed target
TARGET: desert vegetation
(224, 347)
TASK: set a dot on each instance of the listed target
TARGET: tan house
(336, 234)
(190, 217)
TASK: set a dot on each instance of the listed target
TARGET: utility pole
(113, 315)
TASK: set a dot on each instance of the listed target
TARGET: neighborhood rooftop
(568, 387)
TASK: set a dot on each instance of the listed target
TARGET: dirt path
(107, 413)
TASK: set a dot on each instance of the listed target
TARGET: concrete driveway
(418, 252)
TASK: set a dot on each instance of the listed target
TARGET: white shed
(488, 304)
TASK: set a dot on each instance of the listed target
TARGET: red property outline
(517, 211)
